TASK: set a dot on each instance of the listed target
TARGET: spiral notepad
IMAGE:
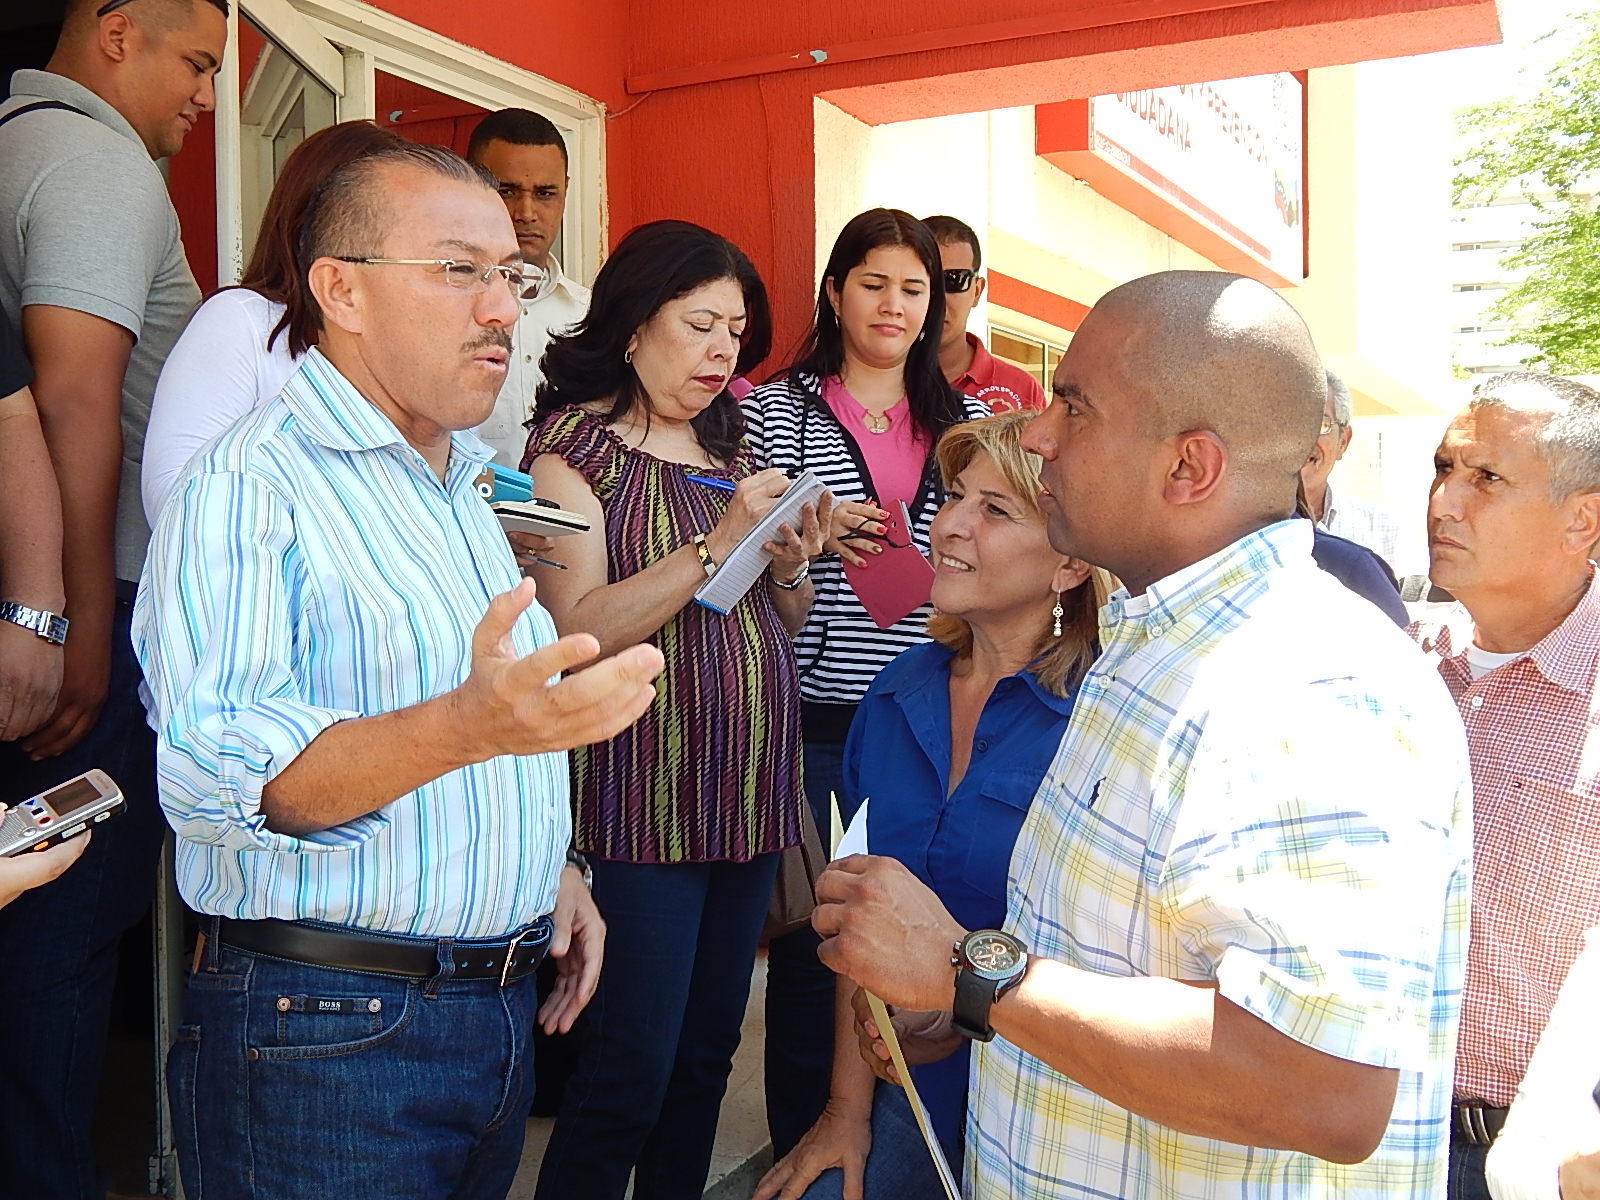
(738, 573)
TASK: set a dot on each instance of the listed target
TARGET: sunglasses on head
(959, 279)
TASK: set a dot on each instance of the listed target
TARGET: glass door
(280, 102)
(280, 81)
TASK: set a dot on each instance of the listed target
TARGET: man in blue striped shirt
(361, 739)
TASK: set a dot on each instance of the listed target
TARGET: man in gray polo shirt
(93, 275)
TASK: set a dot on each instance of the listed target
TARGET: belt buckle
(511, 952)
(1473, 1124)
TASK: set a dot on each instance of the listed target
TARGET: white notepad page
(738, 573)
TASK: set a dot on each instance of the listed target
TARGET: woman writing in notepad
(862, 406)
(684, 813)
(943, 759)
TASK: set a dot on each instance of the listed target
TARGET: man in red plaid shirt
(1512, 515)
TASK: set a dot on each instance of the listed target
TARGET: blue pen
(722, 485)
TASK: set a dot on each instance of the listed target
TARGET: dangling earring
(627, 357)
(922, 335)
(1057, 612)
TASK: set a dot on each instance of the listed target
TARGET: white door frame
(345, 42)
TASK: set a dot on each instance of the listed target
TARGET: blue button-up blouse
(958, 843)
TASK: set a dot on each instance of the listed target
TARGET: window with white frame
(1034, 355)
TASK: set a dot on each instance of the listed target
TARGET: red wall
(192, 180)
(733, 147)
(737, 153)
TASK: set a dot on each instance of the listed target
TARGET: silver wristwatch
(574, 859)
(47, 625)
(794, 584)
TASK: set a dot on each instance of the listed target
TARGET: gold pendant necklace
(878, 422)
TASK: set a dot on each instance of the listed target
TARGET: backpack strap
(40, 105)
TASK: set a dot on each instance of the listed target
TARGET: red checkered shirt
(1533, 729)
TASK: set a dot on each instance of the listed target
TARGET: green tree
(1548, 146)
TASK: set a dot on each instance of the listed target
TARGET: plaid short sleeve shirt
(1241, 801)
(1533, 729)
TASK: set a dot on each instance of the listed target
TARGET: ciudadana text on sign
(1229, 153)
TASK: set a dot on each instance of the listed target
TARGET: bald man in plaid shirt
(1240, 896)
(1512, 518)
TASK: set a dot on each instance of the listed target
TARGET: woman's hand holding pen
(531, 549)
(750, 501)
(851, 519)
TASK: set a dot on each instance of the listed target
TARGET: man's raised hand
(510, 706)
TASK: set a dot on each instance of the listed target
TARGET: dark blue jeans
(899, 1166)
(58, 947)
(1467, 1180)
(658, 1038)
(799, 1048)
(290, 1082)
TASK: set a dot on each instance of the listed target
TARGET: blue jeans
(1467, 1180)
(58, 946)
(657, 1040)
(898, 1165)
(291, 1081)
(799, 1048)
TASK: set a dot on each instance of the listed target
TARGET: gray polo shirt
(86, 224)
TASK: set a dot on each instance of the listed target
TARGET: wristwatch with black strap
(988, 964)
(48, 625)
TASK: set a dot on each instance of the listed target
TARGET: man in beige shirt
(526, 153)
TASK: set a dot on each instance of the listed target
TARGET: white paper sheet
(854, 840)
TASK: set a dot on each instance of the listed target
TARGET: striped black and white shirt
(841, 649)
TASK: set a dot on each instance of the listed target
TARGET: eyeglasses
(460, 273)
(110, 8)
(1329, 424)
(959, 279)
(859, 533)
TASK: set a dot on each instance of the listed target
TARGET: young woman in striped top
(862, 406)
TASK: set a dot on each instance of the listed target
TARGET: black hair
(79, 10)
(520, 127)
(654, 264)
(346, 212)
(934, 404)
(948, 230)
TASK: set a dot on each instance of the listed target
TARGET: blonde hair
(1061, 661)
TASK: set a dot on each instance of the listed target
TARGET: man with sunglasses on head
(93, 276)
(964, 359)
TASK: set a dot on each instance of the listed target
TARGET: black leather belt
(1476, 1123)
(503, 960)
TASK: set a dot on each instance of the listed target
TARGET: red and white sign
(1220, 166)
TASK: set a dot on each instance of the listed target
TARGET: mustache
(489, 339)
